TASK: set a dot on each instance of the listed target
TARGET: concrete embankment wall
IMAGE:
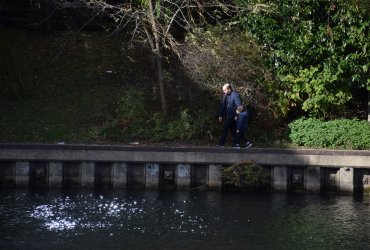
(81, 166)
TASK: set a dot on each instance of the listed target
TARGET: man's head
(227, 89)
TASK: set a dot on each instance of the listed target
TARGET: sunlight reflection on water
(85, 212)
(181, 220)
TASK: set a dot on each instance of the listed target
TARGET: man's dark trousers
(229, 123)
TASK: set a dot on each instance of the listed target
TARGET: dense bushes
(319, 50)
(135, 119)
(343, 134)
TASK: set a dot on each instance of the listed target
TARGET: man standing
(230, 103)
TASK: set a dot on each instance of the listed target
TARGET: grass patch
(67, 100)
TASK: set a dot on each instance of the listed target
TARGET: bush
(133, 120)
(180, 128)
(130, 118)
(339, 134)
(245, 174)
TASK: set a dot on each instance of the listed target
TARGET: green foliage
(134, 120)
(341, 134)
(130, 119)
(244, 173)
(318, 49)
(143, 3)
(180, 128)
(131, 109)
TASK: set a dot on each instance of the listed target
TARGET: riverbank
(120, 167)
(70, 87)
(185, 154)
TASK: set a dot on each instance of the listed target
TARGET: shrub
(133, 120)
(181, 127)
(130, 118)
(245, 174)
(339, 134)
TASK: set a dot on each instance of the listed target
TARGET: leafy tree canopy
(318, 49)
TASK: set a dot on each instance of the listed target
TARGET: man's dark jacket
(229, 104)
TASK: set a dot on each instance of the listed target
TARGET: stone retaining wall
(81, 166)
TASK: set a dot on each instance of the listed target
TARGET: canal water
(181, 220)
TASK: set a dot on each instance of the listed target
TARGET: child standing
(241, 119)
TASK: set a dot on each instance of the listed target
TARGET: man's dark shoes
(236, 146)
(219, 146)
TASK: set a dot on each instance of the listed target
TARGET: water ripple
(182, 220)
(63, 214)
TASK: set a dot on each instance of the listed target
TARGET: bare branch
(154, 20)
(83, 26)
(182, 13)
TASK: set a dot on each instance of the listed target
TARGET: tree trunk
(368, 104)
(157, 49)
(160, 75)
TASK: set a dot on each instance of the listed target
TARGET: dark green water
(181, 220)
